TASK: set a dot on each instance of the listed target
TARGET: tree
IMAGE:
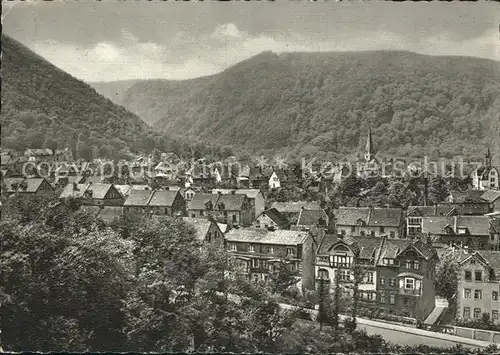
(446, 276)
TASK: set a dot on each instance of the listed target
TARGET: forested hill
(310, 102)
(42, 106)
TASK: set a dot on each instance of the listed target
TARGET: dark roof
(99, 191)
(200, 225)
(286, 175)
(232, 202)
(163, 198)
(312, 217)
(386, 217)
(31, 185)
(200, 199)
(275, 216)
(250, 193)
(138, 198)
(427, 211)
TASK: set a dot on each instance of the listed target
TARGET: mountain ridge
(320, 103)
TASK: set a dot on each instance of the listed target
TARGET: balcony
(409, 292)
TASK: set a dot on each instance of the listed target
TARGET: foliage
(315, 103)
(446, 282)
(44, 107)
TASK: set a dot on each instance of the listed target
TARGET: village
(244, 210)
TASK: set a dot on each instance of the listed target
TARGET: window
(382, 281)
(270, 250)
(323, 274)
(345, 275)
(251, 248)
(405, 301)
(201, 213)
(372, 233)
(481, 245)
(292, 267)
(409, 264)
(369, 278)
(353, 229)
(414, 221)
(467, 293)
(466, 312)
(416, 265)
(409, 283)
(494, 296)
(341, 261)
(392, 282)
(369, 296)
(388, 261)
(468, 275)
(382, 298)
(193, 215)
(342, 232)
(255, 262)
(392, 234)
(494, 315)
(478, 294)
(234, 219)
(478, 275)
(232, 247)
(362, 233)
(382, 229)
(477, 312)
(255, 278)
(392, 299)
(290, 251)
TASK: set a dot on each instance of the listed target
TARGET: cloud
(186, 56)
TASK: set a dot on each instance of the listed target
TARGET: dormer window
(251, 249)
(462, 230)
(388, 261)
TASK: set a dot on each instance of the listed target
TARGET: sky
(139, 39)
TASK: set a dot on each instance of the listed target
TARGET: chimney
(233, 192)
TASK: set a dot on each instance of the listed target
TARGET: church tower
(369, 149)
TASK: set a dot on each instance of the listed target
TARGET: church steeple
(488, 158)
(369, 149)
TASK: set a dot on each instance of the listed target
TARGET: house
(61, 155)
(200, 175)
(207, 230)
(478, 286)
(255, 197)
(486, 176)
(492, 197)
(170, 158)
(189, 193)
(167, 203)
(257, 178)
(137, 202)
(476, 232)
(271, 219)
(93, 194)
(368, 221)
(258, 252)
(38, 154)
(282, 178)
(31, 186)
(414, 214)
(202, 205)
(396, 276)
(234, 209)
(109, 214)
(291, 210)
(312, 218)
(63, 181)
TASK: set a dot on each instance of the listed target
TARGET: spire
(369, 150)
(488, 158)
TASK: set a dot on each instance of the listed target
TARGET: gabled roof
(475, 225)
(490, 195)
(286, 175)
(383, 217)
(232, 202)
(312, 217)
(73, 191)
(24, 185)
(275, 216)
(39, 152)
(200, 199)
(263, 236)
(349, 216)
(427, 211)
(163, 198)
(295, 207)
(99, 191)
(6, 159)
(200, 225)
(139, 198)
